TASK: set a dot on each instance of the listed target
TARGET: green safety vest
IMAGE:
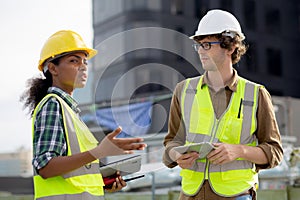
(83, 183)
(236, 126)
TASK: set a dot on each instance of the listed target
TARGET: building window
(250, 14)
(155, 5)
(275, 92)
(251, 58)
(179, 43)
(136, 4)
(274, 61)
(226, 5)
(298, 16)
(272, 21)
(201, 8)
(177, 7)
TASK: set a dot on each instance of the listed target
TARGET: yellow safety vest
(236, 126)
(83, 183)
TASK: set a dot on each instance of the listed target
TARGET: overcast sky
(24, 27)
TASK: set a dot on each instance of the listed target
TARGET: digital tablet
(124, 166)
(202, 148)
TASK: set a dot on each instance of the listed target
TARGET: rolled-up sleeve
(267, 132)
(176, 130)
(48, 139)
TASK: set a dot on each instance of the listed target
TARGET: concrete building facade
(271, 27)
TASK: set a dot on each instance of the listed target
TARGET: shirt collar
(231, 84)
(66, 97)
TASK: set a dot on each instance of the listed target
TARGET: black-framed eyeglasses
(204, 45)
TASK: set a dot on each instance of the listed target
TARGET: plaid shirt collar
(66, 97)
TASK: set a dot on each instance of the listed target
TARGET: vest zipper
(214, 131)
(215, 128)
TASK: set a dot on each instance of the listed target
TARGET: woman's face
(71, 72)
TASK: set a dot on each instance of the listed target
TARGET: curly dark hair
(36, 90)
(228, 42)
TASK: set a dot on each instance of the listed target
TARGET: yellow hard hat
(62, 42)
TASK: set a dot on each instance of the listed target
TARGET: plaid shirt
(49, 136)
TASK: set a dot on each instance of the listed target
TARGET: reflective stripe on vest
(82, 196)
(202, 126)
(85, 180)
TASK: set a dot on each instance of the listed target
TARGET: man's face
(213, 58)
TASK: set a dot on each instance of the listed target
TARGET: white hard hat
(219, 21)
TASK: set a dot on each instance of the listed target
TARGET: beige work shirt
(267, 131)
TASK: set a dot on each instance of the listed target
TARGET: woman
(65, 153)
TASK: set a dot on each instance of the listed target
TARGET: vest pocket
(186, 173)
(191, 181)
(232, 132)
(201, 121)
(88, 141)
(242, 174)
(86, 180)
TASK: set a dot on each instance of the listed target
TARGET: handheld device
(108, 181)
(202, 148)
(124, 166)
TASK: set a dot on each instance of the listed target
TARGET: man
(224, 109)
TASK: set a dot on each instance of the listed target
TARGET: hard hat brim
(90, 54)
(241, 35)
(192, 37)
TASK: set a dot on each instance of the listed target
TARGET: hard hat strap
(45, 67)
(229, 34)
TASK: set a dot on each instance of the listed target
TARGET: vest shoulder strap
(193, 84)
(248, 103)
(187, 97)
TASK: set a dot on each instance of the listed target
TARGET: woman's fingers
(115, 132)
